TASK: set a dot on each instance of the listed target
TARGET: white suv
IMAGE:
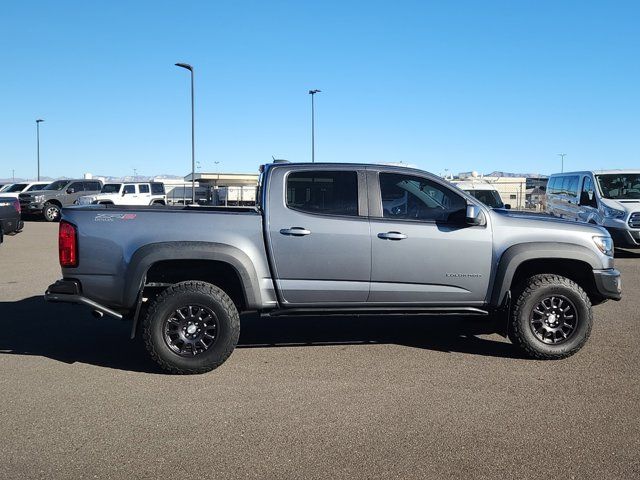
(17, 188)
(130, 193)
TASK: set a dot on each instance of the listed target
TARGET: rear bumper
(70, 291)
(608, 283)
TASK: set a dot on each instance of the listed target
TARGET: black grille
(634, 220)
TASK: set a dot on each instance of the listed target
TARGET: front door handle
(392, 236)
(295, 231)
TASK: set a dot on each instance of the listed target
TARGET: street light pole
(38, 121)
(562, 155)
(193, 137)
(313, 125)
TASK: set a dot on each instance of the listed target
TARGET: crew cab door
(423, 252)
(318, 235)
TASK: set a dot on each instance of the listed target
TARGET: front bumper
(608, 283)
(623, 237)
(29, 208)
(70, 291)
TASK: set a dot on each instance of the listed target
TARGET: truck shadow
(69, 334)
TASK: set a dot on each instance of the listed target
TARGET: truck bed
(110, 237)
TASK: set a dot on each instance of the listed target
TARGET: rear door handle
(392, 236)
(295, 231)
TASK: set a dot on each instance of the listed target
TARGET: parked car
(49, 201)
(4, 186)
(610, 198)
(17, 188)
(10, 221)
(483, 191)
(333, 239)
(130, 193)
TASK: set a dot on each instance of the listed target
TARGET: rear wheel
(191, 327)
(51, 212)
(551, 317)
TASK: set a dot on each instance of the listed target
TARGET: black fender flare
(152, 253)
(516, 255)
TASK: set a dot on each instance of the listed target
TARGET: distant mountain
(510, 175)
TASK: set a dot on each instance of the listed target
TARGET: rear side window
(92, 186)
(157, 188)
(144, 188)
(405, 197)
(325, 192)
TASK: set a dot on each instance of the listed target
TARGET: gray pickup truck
(333, 239)
(49, 201)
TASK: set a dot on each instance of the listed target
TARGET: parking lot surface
(333, 397)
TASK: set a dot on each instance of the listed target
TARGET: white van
(609, 198)
(483, 191)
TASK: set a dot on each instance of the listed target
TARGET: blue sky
(469, 85)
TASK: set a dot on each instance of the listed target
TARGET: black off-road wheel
(191, 327)
(51, 212)
(551, 317)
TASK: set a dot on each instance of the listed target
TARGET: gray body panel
(340, 262)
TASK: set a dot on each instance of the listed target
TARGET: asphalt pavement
(305, 398)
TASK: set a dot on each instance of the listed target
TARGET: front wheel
(51, 212)
(551, 317)
(191, 327)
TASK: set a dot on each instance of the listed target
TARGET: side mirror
(507, 206)
(71, 190)
(124, 193)
(474, 216)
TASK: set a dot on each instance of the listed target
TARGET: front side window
(57, 185)
(323, 192)
(405, 197)
(16, 187)
(619, 186)
(587, 196)
(76, 187)
(129, 189)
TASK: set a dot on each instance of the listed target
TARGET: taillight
(16, 205)
(68, 244)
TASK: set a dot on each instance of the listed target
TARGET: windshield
(57, 185)
(111, 188)
(490, 198)
(36, 187)
(16, 187)
(619, 186)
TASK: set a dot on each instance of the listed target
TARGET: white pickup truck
(130, 193)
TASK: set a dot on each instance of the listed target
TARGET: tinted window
(35, 187)
(111, 188)
(332, 193)
(129, 189)
(92, 186)
(157, 188)
(552, 185)
(16, 187)
(57, 185)
(76, 186)
(407, 197)
(620, 186)
(144, 188)
(570, 185)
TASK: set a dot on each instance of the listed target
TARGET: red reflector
(68, 245)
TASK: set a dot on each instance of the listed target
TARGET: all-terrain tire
(51, 212)
(162, 311)
(545, 287)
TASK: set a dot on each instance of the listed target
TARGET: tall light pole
(193, 137)
(562, 155)
(313, 125)
(38, 121)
